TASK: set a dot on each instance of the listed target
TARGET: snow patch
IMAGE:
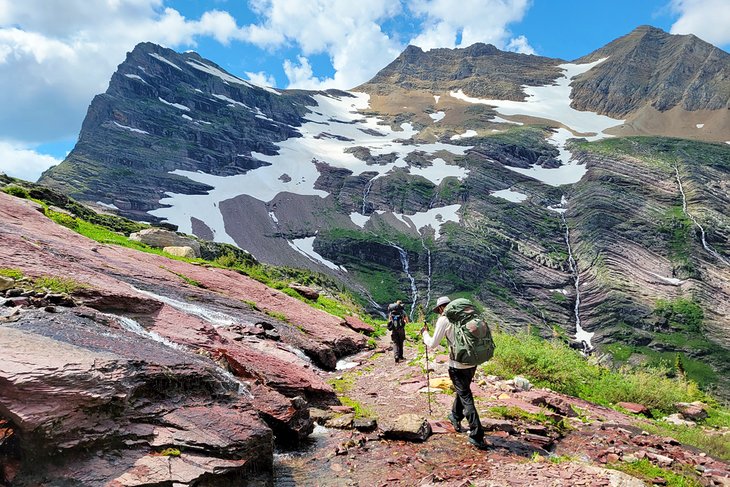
(273, 217)
(305, 246)
(358, 219)
(187, 117)
(107, 205)
(468, 133)
(504, 120)
(231, 101)
(510, 195)
(131, 129)
(552, 102)
(568, 173)
(437, 117)
(160, 58)
(435, 218)
(217, 72)
(134, 76)
(436, 98)
(176, 105)
(670, 280)
(700, 125)
(338, 116)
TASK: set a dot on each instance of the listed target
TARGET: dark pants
(463, 406)
(398, 335)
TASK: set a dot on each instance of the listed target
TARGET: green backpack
(473, 344)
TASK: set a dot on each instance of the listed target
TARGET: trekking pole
(428, 383)
(422, 318)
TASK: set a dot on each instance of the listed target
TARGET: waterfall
(428, 288)
(215, 318)
(406, 269)
(705, 245)
(580, 334)
(134, 326)
(365, 194)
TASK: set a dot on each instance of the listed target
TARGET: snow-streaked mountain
(467, 171)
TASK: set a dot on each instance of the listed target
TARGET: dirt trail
(520, 454)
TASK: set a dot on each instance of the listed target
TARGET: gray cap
(440, 301)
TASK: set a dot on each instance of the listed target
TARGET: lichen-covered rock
(160, 238)
(187, 252)
(408, 427)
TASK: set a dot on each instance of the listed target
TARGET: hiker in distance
(463, 315)
(397, 320)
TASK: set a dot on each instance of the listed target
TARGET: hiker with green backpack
(470, 344)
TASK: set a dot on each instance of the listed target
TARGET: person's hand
(424, 328)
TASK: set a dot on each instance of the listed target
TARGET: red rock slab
(635, 408)
(358, 325)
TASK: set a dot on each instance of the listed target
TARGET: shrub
(17, 191)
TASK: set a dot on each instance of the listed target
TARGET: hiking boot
(456, 424)
(480, 444)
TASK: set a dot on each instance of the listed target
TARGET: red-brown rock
(635, 408)
(358, 325)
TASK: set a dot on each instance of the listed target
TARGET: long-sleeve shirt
(444, 328)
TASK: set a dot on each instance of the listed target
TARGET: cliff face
(453, 173)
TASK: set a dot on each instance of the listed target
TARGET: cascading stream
(365, 195)
(428, 288)
(580, 334)
(705, 245)
(134, 326)
(406, 269)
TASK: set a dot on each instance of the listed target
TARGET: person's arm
(433, 341)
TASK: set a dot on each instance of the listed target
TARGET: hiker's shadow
(516, 447)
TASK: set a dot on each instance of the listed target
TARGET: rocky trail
(571, 443)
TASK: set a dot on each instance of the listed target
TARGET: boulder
(6, 283)
(635, 408)
(365, 424)
(408, 427)
(490, 424)
(442, 383)
(183, 251)
(343, 421)
(522, 384)
(157, 237)
(358, 325)
(306, 291)
(678, 419)
(694, 411)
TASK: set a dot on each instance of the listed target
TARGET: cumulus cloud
(521, 45)
(261, 78)
(707, 19)
(55, 56)
(348, 32)
(447, 25)
(24, 163)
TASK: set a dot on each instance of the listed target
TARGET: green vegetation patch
(15, 274)
(647, 471)
(59, 285)
(555, 365)
(680, 314)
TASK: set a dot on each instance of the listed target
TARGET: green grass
(188, 280)
(515, 413)
(277, 315)
(553, 364)
(645, 470)
(11, 273)
(361, 411)
(54, 284)
(17, 191)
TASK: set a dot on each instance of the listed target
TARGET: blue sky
(55, 55)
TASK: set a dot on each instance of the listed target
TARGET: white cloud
(55, 56)
(521, 45)
(261, 78)
(23, 163)
(473, 20)
(707, 19)
(348, 32)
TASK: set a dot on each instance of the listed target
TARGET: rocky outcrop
(161, 239)
(107, 404)
(144, 362)
(651, 67)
